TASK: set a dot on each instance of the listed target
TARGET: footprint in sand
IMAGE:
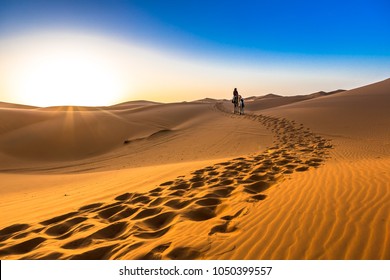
(23, 247)
(200, 213)
(156, 253)
(183, 253)
(111, 231)
(101, 253)
(151, 234)
(159, 221)
(64, 227)
(12, 231)
(177, 203)
(58, 218)
(109, 212)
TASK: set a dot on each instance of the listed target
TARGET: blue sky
(357, 27)
(322, 35)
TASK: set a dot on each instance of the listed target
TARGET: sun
(67, 73)
(68, 77)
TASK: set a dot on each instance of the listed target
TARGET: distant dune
(303, 177)
(15, 106)
(255, 103)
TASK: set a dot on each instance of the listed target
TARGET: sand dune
(112, 139)
(15, 106)
(298, 180)
(272, 100)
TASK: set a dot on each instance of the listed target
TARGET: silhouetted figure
(241, 104)
(235, 100)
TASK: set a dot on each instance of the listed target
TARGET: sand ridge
(159, 224)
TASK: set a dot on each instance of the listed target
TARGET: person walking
(235, 100)
(242, 105)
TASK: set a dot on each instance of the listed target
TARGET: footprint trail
(138, 225)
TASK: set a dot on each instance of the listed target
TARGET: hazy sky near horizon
(105, 52)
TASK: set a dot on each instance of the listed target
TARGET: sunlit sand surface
(294, 178)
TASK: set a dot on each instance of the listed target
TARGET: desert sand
(293, 178)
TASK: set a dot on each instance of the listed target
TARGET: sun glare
(66, 73)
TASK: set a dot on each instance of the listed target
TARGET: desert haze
(303, 177)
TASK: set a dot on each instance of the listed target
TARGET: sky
(106, 52)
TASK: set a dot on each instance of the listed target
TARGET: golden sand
(292, 179)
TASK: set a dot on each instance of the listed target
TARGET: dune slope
(316, 187)
(161, 222)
